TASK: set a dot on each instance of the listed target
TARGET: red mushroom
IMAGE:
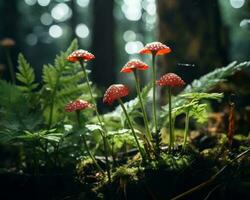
(77, 105)
(7, 42)
(80, 55)
(156, 48)
(132, 65)
(115, 92)
(170, 80)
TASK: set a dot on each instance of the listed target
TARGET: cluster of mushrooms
(116, 91)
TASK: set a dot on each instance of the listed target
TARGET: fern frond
(25, 75)
(50, 76)
(64, 80)
(206, 83)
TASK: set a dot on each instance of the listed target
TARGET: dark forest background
(206, 34)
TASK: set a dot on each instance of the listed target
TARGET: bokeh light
(83, 3)
(46, 19)
(133, 47)
(129, 36)
(245, 23)
(61, 12)
(30, 2)
(82, 31)
(31, 39)
(55, 31)
(237, 3)
(132, 9)
(43, 2)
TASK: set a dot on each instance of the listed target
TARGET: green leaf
(205, 83)
(93, 127)
(63, 82)
(197, 96)
(25, 75)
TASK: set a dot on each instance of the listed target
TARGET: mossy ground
(177, 172)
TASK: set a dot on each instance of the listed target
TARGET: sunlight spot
(82, 31)
(30, 2)
(31, 39)
(83, 3)
(151, 9)
(133, 47)
(237, 3)
(245, 23)
(132, 9)
(61, 12)
(43, 2)
(46, 19)
(129, 35)
(55, 31)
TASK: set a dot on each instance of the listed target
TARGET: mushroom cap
(156, 48)
(77, 105)
(80, 54)
(7, 42)
(170, 80)
(134, 64)
(115, 92)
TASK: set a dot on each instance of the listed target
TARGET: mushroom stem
(154, 93)
(171, 137)
(105, 142)
(86, 145)
(186, 129)
(145, 119)
(10, 65)
(90, 91)
(132, 128)
(105, 145)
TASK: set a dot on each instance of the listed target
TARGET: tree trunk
(103, 43)
(193, 30)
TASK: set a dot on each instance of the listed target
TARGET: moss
(87, 173)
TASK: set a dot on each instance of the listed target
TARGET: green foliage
(26, 75)
(122, 138)
(25, 109)
(126, 173)
(196, 109)
(48, 135)
(63, 82)
(205, 83)
(13, 107)
(197, 96)
(25, 136)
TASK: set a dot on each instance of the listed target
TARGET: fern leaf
(25, 75)
(206, 83)
(64, 80)
(49, 76)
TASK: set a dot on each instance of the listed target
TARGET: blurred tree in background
(194, 31)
